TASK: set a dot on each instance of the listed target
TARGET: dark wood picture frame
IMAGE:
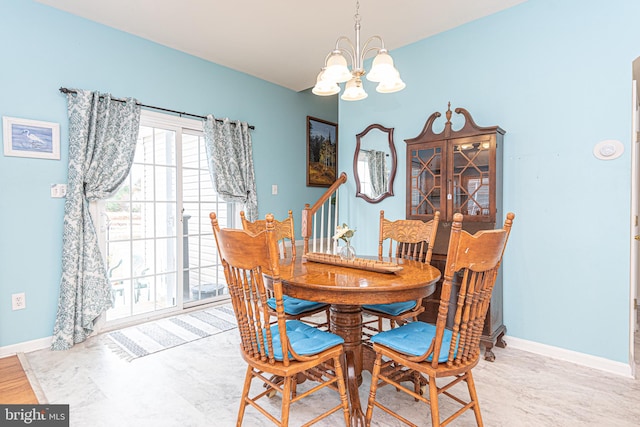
(322, 152)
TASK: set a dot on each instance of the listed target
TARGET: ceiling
(281, 41)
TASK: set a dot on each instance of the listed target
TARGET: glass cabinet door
(427, 170)
(455, 171)
(470, 174)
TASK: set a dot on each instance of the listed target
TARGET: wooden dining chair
(294, 308)
(408, 239)
(288, 349)
(436, 351)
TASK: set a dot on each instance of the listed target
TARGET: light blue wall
(557, 77)
(44, 49)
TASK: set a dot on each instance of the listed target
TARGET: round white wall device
(608, 149)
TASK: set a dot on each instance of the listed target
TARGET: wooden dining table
(347, 289)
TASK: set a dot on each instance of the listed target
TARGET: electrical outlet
(18, 301)
(274, 189)
(58, 190)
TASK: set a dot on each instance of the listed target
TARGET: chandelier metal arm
(371, 39)
(366, 49)
(346, 40)
(357, 56)
(351, 51)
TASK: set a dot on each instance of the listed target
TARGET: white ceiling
(281, 41)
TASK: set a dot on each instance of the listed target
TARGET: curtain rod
(67, 90)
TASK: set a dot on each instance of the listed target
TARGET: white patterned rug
(152, 337)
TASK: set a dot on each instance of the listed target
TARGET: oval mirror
(374, 163)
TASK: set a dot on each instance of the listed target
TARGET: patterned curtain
(378, 171)
(102, 141)
(230, 157)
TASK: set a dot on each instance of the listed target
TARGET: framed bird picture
(31, 138)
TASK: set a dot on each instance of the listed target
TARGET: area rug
(152, 337)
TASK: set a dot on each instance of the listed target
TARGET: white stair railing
(320, 220)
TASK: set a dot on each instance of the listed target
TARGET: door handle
(637, 237)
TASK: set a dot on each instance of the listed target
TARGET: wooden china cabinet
(458, 171)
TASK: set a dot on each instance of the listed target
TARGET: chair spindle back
(475, 259)
(284, 231)
(408, 238)
(245, 258)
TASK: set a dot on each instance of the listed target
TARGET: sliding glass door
(203, 276)
(156, 232)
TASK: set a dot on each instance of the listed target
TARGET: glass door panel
(426, 176)
(141, 229)
(471, 177)
(202, 274)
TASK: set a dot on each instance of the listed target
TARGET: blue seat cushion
(295, 306)
(414, 339)
(392, 309)
(304, 339)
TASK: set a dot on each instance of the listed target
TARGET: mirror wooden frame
(392, 174)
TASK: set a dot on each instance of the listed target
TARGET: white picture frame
(31, 138)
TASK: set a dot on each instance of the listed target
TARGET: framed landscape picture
(322, 152)
(31, 138)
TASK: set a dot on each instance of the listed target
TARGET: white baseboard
(25, 347)
(583, 359)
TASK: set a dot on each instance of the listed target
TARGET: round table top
(335, 284)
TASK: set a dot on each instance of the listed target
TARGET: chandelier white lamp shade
(336, 70)
(353, 90)
(325, 87)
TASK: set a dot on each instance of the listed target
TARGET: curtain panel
(102, 140)
(378, 171)
(230, 158)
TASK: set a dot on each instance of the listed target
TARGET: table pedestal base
(346, 321)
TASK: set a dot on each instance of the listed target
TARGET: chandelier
(335, 68)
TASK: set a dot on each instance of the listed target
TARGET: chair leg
(342, 389)
(328, 325)
(245, 395)
(286, 400)
(374, 387)
(433, 404)
(294, 387)
(471, 385)
(417, 386)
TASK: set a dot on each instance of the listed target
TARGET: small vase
(347, 252)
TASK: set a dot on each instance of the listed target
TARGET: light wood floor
(14, 384)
